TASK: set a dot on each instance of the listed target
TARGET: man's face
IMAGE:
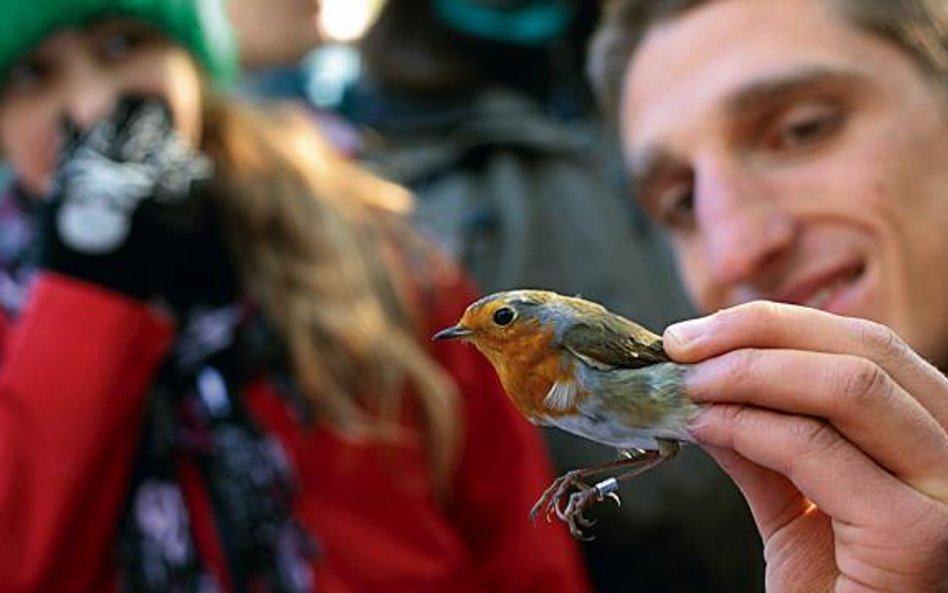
(795, 158)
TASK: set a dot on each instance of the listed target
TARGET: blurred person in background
(482, 110)
(214, 365)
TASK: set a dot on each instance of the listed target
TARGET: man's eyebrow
(775, 86)
(651, 162)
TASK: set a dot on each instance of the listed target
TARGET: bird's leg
(562, 485)
(587, 495)
(641, 462)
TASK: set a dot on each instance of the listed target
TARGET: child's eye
(25, 76)
(117, 45)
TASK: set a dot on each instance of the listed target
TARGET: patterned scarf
(195, 417)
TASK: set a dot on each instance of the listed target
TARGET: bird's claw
(549, 500)
(572, 513)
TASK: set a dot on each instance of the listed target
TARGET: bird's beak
(452, 333)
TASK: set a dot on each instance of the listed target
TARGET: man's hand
(837, 434)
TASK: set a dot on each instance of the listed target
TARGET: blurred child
(214, 371)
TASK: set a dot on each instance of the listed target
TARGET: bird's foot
(585, 496)
(579, 501)
(547, 503)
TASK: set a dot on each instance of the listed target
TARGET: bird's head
(501, 322)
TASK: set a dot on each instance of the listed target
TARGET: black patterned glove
(128, 211)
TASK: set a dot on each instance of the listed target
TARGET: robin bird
(571, 363)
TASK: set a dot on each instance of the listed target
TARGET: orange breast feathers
(528, 365)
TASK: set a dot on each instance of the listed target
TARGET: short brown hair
(919, 27)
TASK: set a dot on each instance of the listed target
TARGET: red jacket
(74, 368)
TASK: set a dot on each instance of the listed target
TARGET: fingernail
(685, 332)
(697, 422)
(694, 382)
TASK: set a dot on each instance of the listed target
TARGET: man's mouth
(828, 292)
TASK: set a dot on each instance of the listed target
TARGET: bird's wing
(609, 341)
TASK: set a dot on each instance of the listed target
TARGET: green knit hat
(201, 26)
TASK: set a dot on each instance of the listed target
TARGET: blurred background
(482, 109)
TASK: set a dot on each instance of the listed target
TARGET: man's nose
(745, 226)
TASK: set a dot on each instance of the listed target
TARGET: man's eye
(674, 206)
(804, 127)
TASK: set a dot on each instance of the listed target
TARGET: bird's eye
(504, 316)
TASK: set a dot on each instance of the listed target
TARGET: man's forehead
(714, 63)
(738, 35)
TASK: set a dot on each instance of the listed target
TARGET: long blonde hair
(322, 246)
